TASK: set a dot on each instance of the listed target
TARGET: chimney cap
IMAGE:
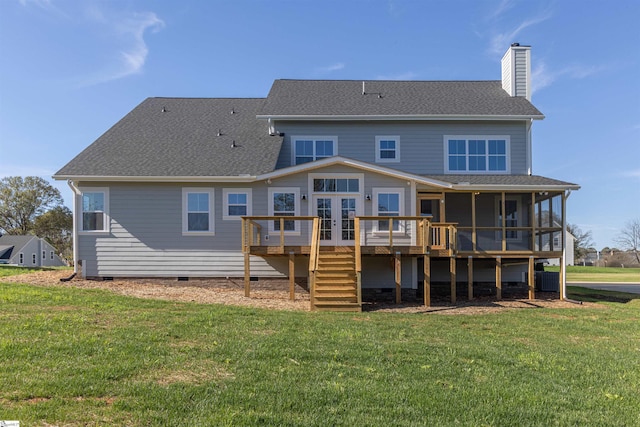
(515, 44)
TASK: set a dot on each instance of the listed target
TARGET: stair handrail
(313, 258)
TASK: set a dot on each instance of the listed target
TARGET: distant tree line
(31, 205)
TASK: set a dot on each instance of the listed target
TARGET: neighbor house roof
(181, 137)
(10, 244)
(332, 99)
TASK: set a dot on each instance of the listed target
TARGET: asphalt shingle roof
(394, 98)
(178, 137)
(500, 180)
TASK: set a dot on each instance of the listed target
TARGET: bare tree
(629, 238)
(582, 243)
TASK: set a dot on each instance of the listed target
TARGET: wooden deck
(335, 271)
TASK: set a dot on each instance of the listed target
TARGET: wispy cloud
(330, 68)
(542, 76)
(632, 174)
(500, 41)
(502, 8)
(130, 31)
(407, 75)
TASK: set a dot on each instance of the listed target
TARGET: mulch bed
(268, 293)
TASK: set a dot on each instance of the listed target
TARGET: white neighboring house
(569, 252)
(28, 251)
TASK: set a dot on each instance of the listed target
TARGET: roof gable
(181, 137)
(392, 99)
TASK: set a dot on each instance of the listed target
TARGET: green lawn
(578, 273)
(89, 357)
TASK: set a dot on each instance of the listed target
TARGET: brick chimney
(516, 71)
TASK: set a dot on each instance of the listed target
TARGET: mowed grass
(89, 357)
(578, 273)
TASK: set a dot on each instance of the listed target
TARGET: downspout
(76, 192)
(529, 147)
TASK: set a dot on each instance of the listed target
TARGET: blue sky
(70, 69)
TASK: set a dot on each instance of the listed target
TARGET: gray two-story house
(353, 184)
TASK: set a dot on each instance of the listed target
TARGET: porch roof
(503, 182)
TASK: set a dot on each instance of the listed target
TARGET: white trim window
(44, 255)
(95, 210)
(387, 149)
(51, 252)
(388, 202)
(284, 202)
(197, 211)
(477, 154)
(33, 259)
(21, 258)
(236, 203)
(307, 149)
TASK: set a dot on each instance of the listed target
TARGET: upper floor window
(236, 203)
(471, 154)
(95, 202)
(387, 149)
(197, 211)
(309, 148)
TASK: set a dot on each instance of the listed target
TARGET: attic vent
(164, 109)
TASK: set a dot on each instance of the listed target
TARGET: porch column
(532, 292)
(292, 276)
(398, 276)
(499, 278)
(427, 280)
(470, 277)
(247, 275)
(452, 274)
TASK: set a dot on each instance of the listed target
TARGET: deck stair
(336, 286)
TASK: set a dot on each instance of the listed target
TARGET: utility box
(547, 281)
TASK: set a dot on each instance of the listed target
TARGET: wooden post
(292, 277)
(390, 233)
(452, 273)
(532, 292)
(499, 278)
(398, 271)
(282, 235)
(470, 278)
(504, 223)
(247, 275)
(474, 237)
(427, 281)
(244, 235)
(533, 222)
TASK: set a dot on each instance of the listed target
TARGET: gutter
(107, 178)
(407, 117)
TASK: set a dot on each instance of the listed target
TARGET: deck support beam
(426, 269)
(292, 276)
(470, 277)
(247, 275)
(452, 274)
(531, 280)
(398, 277)
(498, 278)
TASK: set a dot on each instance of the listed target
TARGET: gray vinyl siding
(421, 143)
(146, 239)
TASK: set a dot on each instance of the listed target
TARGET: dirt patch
(268, 293)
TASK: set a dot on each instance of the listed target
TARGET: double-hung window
(388, 202)
(284, 202)
(387, 149)
(476, 154)
(236, 203)
(95, 210)
(309, 148)
(197, 211)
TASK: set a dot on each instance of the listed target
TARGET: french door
(337, 218)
